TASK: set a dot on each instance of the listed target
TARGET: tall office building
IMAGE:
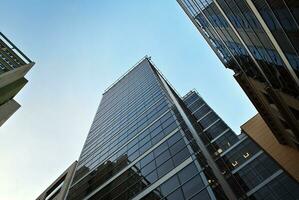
(13, 67)
(258, 40)
(147, 142)
(249, 170)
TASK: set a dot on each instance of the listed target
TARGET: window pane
(202, 195)
(187, 173)
(193, 186)
(169, 185)
(164, 168)
(176, 195)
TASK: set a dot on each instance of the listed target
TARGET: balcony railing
(10, 56)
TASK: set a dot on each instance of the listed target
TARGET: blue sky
(80, 47)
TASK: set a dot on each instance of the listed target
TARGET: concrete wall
(66, 178)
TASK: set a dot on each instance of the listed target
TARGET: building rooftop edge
(161, 74)
(15, 49)
(190, 92)
(126, 73)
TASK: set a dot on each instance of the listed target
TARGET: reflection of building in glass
(131, 178)
(13, 67)
(146, 142)
(258, 40)
(136, 147)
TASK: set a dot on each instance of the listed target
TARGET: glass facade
(250, 172)
(259, 41)
(140, 146)
(136, 146)
(216, 135)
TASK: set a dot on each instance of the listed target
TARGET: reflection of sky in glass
(81, 48)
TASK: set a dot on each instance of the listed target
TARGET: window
(176, 195)
(162, 157)
(256, 171)
(193, 186)
(187, 173)
(202, 195)
(165, 168)
(169, 185)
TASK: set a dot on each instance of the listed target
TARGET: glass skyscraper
(147, 142)
(258, 40)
